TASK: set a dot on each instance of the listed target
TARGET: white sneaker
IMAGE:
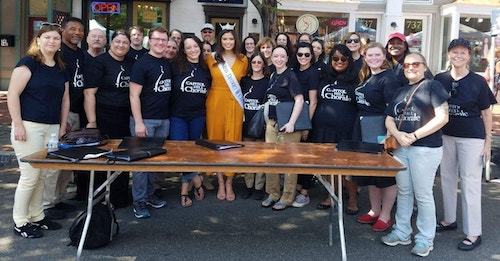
(301, 201)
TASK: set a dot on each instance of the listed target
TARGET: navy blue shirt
(308, 79)
(429, 95)
(374, 94)
(189, 91)
(134, 54)
(74, 61)
(358, 64)
(469, 97)
(282, 88)
(112, 78)
(254, 95)
(154, 74)
(42, 97)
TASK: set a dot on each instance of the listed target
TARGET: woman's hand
(288, 128)
(405, 139)
(92, 125)
(305, 134)
(140, 130)
(486, 153)
(62, 131)
(19, 132)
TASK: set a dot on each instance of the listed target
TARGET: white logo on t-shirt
(78, 77)
(192, 86)
(122, 81)
(162, 85)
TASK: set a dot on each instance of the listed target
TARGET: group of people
(185, 88)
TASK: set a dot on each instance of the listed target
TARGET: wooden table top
(292, 158)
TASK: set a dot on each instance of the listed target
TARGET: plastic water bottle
(53, 143)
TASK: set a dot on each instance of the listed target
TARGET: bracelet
(415, 135)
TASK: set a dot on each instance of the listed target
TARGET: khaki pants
(273, 180)
(254, 180)
(56, 181)
(462, 159)
(29, 191)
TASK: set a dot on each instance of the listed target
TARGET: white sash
(232, 82)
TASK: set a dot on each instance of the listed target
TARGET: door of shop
(416, 29)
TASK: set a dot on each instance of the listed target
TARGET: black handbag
(257, 125)
(81, 138)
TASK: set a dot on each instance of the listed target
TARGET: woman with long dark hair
(38, 101)
(191, 81)
(225, 100)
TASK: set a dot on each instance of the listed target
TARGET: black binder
(218, 144)
(135, 154)
(284, 111)
(141, 142)
(76, 154)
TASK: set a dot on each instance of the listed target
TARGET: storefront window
(476, 31)
(367, 28)
(446, 40)
(107, 18)
(38, 8)
(332, 27)
(149, 14)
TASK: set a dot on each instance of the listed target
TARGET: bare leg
(388, 198)
(230, 196)
(375, 195)
(221, 192)
(352, 189)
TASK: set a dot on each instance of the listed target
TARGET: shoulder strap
(408, 103)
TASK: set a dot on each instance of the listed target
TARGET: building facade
(428, 24)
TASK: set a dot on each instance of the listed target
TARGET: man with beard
(73, 58)
(208, 35)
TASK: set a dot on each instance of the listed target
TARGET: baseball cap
(459, 42)
(208, 26)
(400, 36)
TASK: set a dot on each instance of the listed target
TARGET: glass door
(108, 16)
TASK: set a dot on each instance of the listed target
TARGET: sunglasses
(307, 55)
(341, 59)
(414, 65)
(257, 62)
(49, 24)
(207, 31)
(352, 41)
(454, 87)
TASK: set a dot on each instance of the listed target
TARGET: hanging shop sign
(106, 7)
(307, 23)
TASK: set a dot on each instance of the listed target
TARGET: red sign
(338, 22)
(105, 7)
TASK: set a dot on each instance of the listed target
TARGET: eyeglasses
(454, 87)
(341, 59)
(257, 62)
(352, 41)
(207, 31)
(49, 24)
(414, 65)
(159, 39)
(307, 55)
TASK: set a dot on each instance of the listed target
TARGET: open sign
(105, 7)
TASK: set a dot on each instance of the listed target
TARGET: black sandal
(465, 247)
(441, 228)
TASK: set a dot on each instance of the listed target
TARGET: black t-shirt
(357, 64)
(134, 54)
(42, 97)
(375, 93)
(471, 96)
(282, 88)
(112, 77)
(430, 95)
(308, 79)
(189, 91)
(337, 106)
(154, 74)
(254, 95)
(74, 61)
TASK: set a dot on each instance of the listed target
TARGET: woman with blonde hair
(38, 101)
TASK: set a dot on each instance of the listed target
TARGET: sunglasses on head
(49, 24)
(454, 86)
(352, 41)
(341, 59)
(414, 65)
(307, 55)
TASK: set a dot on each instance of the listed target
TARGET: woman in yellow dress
(225, 99)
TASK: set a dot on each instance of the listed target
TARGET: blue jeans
(186, 129)
(142, 182)
(417, 181)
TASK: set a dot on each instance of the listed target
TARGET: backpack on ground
(103, 227)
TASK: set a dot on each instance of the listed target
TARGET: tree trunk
(268, 13)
